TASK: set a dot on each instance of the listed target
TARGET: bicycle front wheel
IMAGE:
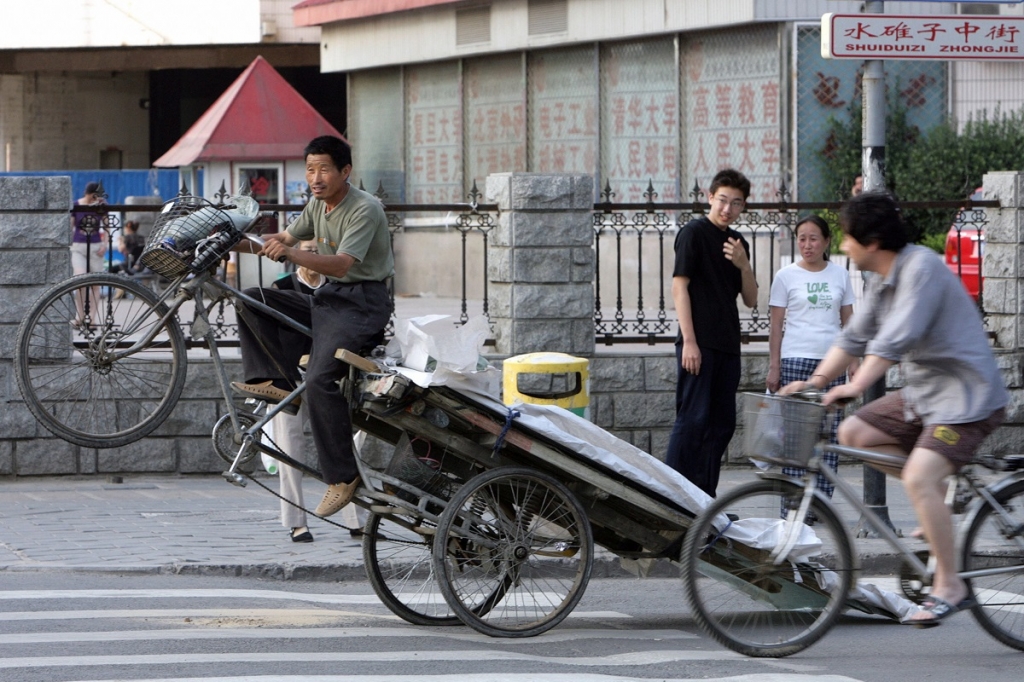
(69, 372)
(995, 542)
(397, 554)
(742, 594)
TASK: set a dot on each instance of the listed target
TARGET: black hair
(818, 222)
(730, 178)
(874, 218)
(335, 147)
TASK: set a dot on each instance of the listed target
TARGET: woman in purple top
(88, 241)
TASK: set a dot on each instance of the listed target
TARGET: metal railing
(634, 254)
(632, 283)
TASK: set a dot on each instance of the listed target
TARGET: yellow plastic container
(548, 379)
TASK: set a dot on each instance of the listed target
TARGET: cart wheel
(513, 553)
(396, 551)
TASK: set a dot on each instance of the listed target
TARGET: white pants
(286, 431)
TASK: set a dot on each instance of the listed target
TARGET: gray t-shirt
(358, 227)
(921, 314)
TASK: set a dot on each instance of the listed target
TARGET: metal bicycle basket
(780, 430)
(415, 462)
(191, 235)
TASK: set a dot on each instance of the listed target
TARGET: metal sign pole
(873, 170)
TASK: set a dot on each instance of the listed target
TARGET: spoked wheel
(513, 553)
(71, 375)
(741, 595)
(993, 542)
(397, 555)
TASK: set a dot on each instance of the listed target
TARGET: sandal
(940, 609)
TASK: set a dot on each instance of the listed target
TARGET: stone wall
(632, 393)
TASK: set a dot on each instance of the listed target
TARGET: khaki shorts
(955, 442)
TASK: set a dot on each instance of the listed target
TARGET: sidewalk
(205, 525)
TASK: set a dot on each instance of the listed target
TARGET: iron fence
(468, 219)
(634, 255)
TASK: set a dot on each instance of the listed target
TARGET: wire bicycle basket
(781, 430)
(192, 235)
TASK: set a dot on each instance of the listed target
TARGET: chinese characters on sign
(640, 120)
(563, 112)
(733, 112)
(891, 36)
(433, 135)
(495, 117)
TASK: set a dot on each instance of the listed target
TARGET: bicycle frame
(984, 493)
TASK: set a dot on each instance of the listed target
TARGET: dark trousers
(350, 316)
(705, 417)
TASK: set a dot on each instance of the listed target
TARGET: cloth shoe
(268, 392)
(336, 497)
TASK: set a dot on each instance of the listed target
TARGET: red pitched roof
(259, 118)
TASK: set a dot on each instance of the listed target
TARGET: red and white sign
(895, 36)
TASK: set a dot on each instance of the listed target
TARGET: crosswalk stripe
(566, 634)
(496, 677)
(242, 613)
(632, 658)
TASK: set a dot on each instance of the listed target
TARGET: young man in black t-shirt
(712, 267)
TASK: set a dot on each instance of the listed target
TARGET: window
(473, 25)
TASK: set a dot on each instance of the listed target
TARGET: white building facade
(642, 94)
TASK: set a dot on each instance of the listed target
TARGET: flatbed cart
(499, 508)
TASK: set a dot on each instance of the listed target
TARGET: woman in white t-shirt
(814, 299)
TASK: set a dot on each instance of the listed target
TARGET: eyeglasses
(735, 204)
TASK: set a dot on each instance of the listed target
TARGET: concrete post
(1001, 266)
(35, 239)
(541, 263)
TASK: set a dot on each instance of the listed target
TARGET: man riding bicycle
(350, 311)
(915, 312)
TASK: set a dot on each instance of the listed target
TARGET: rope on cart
(509, 416)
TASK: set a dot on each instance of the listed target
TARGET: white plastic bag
(769, 432)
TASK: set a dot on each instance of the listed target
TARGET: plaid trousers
(800, 369)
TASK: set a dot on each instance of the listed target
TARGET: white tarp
(594, 443)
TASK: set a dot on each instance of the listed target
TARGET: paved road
(202, 524)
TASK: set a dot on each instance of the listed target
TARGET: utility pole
(873, 170)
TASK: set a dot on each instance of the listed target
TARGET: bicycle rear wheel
(397, 554)
(994, 543)
(66, 370)
(744, 599)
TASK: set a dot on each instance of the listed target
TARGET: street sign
(896, 36)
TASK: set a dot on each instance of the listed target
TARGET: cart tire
(746, 601)
(399, 567)
(513, 553)
(1000, 597)
(62, 364)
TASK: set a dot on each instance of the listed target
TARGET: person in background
(131, 244)
(858, 186)
(712, 267)
(287, 428)
(915, 312)
(812, 300)
(88, 246)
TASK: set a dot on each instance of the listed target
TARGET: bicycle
(743, 594)
(101, 361)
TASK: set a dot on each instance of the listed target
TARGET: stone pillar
(35, 239)
(1002, 268)
(541, 263)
